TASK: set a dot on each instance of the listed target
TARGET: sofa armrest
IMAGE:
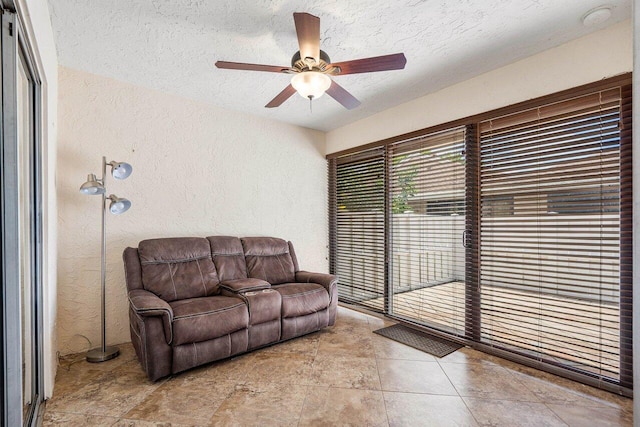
(148, 304)
(329, 282)
(244, 285)
(326, 280)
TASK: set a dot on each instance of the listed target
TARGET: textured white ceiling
(171, 45)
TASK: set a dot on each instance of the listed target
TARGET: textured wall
(591, 58)
(445, 42)
(198, 170)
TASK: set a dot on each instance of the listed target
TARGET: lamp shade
(120, 170)
(118, 205)
(92, 186)
(311, 84)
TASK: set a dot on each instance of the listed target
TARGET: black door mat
(431, 344)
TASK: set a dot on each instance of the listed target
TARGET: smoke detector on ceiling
(596, 16)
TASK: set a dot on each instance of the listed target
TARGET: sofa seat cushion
(299, 299)
(201, 319)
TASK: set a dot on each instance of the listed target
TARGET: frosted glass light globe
(311, 84)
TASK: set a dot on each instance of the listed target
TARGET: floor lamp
(117, 205)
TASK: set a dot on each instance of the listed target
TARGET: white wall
(599, 55)
(35, 15)
(198, 170)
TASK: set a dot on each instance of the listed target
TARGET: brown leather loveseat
(196, 300)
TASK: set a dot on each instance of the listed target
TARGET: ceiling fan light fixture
(311, 84)
(313, 69)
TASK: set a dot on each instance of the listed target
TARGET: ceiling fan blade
(395, 61)
(341, 95)
(281, 97)
(251, 67)
(308, 30)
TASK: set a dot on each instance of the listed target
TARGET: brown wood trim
(388, 231)
(626, 239)
(333, 213)
(619, 80)
(472, 231)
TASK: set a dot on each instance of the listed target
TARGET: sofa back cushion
(228, 257)
(178, 268)
(268, 259)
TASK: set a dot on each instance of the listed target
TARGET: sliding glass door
(359, 228)
(550, 232)
(510, 231)
(28, 230)
(427, 186)
(21, 229)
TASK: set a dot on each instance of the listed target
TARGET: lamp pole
(103, 263)
(95, 186)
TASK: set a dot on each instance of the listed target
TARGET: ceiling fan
(312, 67)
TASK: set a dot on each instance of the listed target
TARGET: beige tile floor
(344, 375)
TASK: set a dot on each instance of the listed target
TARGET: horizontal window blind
(427, 177)
(510, 231)
(357, 237)
(550, 232)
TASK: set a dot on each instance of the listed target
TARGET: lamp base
(96, 355)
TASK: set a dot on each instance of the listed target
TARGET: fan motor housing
(300, 64)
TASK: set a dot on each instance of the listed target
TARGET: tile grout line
(231, 392)
(304, 402)
(523, 385)
(582, 395)
(464, 402)
(449, 379)
(146, 395)
(384, 401)
(308, 386)
(555, 414)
